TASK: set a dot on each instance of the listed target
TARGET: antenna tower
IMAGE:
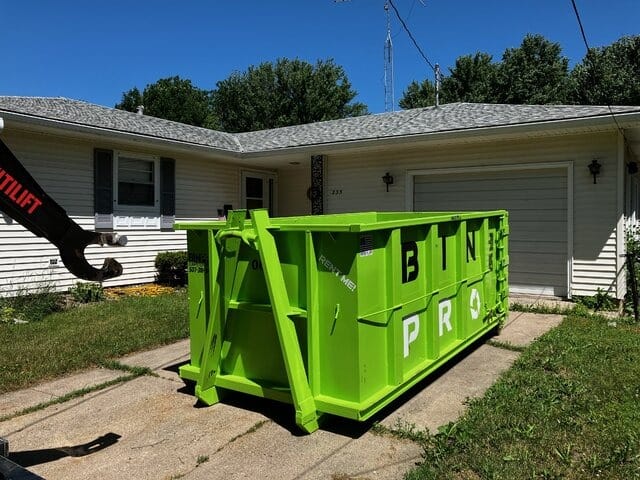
(389, 98)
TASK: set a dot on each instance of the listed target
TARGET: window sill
(133, 222)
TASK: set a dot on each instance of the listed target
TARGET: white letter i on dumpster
(408, 335)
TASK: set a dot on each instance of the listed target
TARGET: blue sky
(94, 51)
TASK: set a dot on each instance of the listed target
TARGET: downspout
(621, 277)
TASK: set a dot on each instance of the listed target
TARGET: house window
(133, 190)
(137, 184)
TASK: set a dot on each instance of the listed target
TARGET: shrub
(87, 292)
(172, 268)
(601, 301)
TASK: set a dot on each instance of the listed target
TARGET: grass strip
(506, 346)
(115, 365)
(71, 395)
(567, 408)
(88, 336)
(402, 430)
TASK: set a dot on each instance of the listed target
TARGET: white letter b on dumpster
(410, 334)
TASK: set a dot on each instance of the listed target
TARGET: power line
(584, 36)
(586, 44)
(404, 25)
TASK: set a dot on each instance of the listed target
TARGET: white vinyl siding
(293, 182)
(594, 209)
(537, 203)
(64, 169)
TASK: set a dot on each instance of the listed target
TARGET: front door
(258, 191)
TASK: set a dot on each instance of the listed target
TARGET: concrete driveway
(151, 427)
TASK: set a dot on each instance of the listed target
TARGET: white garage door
(537, 204)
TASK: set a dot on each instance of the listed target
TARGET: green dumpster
(338, 314)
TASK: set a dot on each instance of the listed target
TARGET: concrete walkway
(151, 427)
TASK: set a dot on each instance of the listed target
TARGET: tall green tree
(171, 98)
(287, 92)
(418, 95)
(534, 73)
(472, 79)
(609, 75)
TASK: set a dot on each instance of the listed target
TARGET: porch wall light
(388, 180)
(594, 169)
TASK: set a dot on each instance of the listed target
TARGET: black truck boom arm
(26, 202)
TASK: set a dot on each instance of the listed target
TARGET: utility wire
(404, 25)
(584, 36)
(586, 44)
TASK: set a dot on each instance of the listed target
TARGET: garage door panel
(539, 215)
(538, 262)
(537, 206)
(532, 246)
(457, 202)
(508, 184)
(490, 191)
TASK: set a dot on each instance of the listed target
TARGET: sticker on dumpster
(328, 264)
(366, 245)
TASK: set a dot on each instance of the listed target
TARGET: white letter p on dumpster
(410, 336)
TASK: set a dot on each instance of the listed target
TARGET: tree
(609, 75)
(534, 73)
(287, 92)
(173, 99)
(418, 95)
(472, 79)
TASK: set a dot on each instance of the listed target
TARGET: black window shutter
(167, 192)
(103, 187)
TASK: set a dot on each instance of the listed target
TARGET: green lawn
(88, 335)
(568, 408)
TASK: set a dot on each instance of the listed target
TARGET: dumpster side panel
(376, 301)
(199, 298)
(337, 328)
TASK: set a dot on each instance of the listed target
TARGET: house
(137, 174)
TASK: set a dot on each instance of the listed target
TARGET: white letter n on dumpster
(410, 334)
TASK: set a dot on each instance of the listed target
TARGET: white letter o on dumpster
(474, 304)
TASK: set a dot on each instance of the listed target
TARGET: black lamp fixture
(632, 168)
(594, 169)
(388, 180)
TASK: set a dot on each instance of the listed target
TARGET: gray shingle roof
(446, 118)
(83, 113)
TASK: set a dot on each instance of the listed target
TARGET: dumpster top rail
(350, 222)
